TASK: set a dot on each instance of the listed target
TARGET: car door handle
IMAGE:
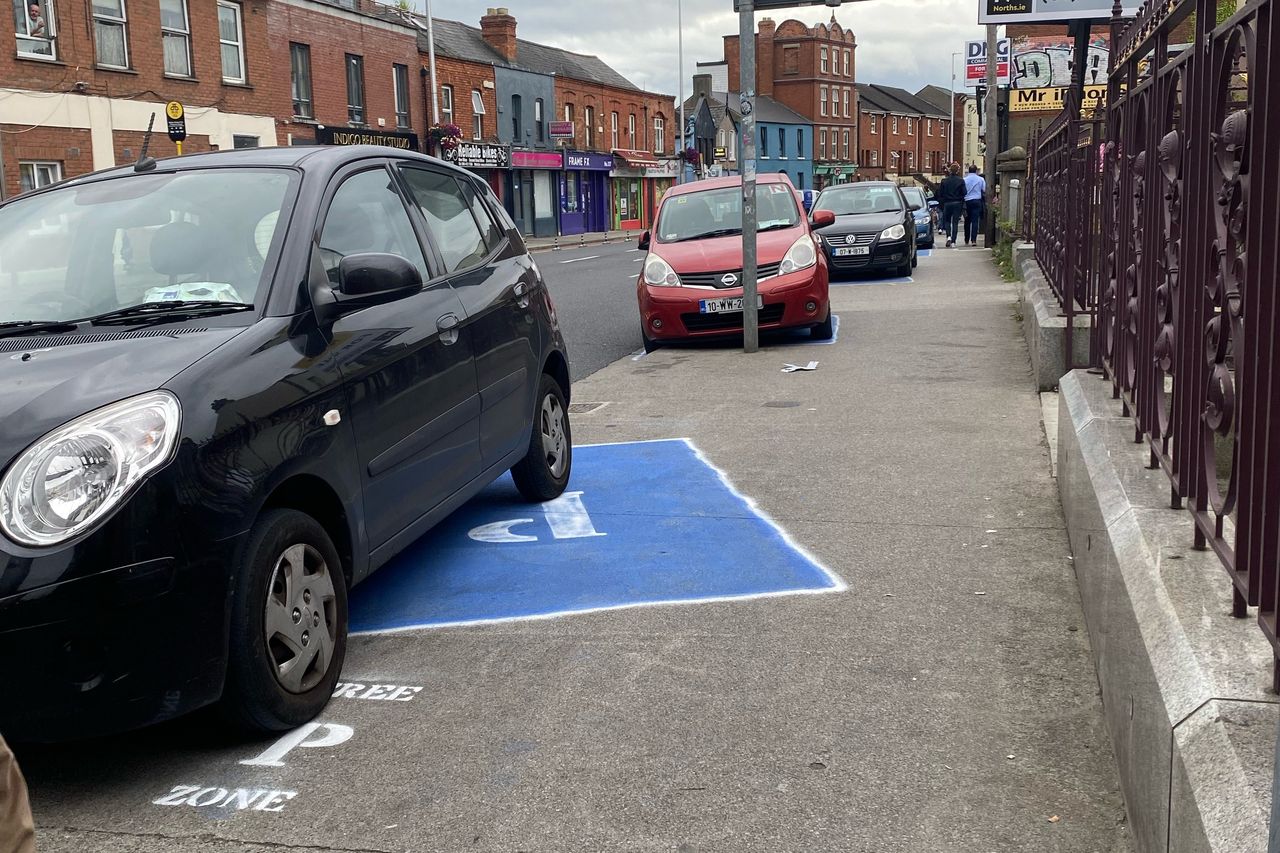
(448, 326)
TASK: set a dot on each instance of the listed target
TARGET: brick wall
(71, 149)
(463, 78)
(331, 35)
(605, 100)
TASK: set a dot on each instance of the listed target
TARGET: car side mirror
(914, 206)
(643, 245)
(823, 218)
(365, 279)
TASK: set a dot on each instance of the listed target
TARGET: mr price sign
(975, 64)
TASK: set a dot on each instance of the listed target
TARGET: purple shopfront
(584, 192)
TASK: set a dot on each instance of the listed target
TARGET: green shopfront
(826, 174)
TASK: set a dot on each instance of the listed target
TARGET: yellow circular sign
(174, 110)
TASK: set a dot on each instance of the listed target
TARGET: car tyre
(649, 343)
(288, 567)
(915, 259)
(826, 329)
(544, 471)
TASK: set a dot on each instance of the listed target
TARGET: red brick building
(811, 71)
(80, 81)
(900, 134)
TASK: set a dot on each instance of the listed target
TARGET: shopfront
(630, 190)
(531, 193)
(838, 173)
(659, 179)
(584, 193)
(491, 162)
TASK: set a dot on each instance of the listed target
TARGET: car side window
(488, 228)
(447, 212)
(367, 215)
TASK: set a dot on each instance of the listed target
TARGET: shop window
(34, 175)
(175, 37)
(33, 24)
(231, 40)
(110, 33)
(355, 89)
(300, 73)
(517, 113)
(238, 141)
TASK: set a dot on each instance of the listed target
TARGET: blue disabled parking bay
(642, 523)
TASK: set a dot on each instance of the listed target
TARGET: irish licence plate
(717, 306)
(851, 250)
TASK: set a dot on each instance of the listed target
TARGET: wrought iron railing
(1178, 264)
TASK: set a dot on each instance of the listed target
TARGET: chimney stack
(499, 29)
(701, 86)
(764, 57)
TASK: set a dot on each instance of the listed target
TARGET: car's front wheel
(826, 329)
(544, 471)
(288, 624)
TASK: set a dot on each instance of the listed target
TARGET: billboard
(1053, 98)
(1047, 11)
(1043, 61)
(975, 63)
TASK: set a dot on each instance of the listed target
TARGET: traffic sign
(176, 117)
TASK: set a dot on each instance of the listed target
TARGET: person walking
(951, 195)
(975, 194)
(17, 831)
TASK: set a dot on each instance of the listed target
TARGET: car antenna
(145, 163)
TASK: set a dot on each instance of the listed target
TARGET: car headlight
(658, 273)
(894, 232)
(801, 255)
(68, 480)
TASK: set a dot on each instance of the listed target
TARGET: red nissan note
(691, 285)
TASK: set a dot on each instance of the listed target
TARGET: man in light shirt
(975, 193)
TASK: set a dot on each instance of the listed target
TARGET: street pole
(684, 143)
(951, 112)
(747, 105)
(431, 58)
(993, 129)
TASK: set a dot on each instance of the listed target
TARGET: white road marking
(637, 260)
(638, 354)
(575, 260)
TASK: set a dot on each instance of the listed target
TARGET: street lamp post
(951, 108)
(431, 58)
(684, 143)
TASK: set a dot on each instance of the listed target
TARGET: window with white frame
(871, 120)
(846, 145)
(355, 89)
(824, 63)
(835, 102)
(875, 157)
(911, 127)
(589, 119)
(846, 103)
(631, 130)
(110, 33)
(446, 105)
(929, 126)
(822, 144)
(231, 39)
(568, 112)
(822, 100)
(36, 174)
(847, 56)
(541, 131)
(613, 129)
(175, 37)
(300, 74)
(477, 114)
(659, 135)
(33, 25)
(400, 87)
(895, 125)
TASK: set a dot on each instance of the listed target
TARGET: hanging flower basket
(444, 137)
(690, 156)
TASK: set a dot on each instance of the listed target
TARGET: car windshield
(914, 195)
(853, 199)
(718, 212)
(192, 236)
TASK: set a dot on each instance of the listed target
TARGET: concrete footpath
(946, 700)
(938, 698)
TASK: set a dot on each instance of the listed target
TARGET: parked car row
(691, 288)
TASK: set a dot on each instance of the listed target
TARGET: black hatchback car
(874, 228)
(234, 385)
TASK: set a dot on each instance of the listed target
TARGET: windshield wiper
(13, 328)
(167, 310)
(776, 226)
(719, 232)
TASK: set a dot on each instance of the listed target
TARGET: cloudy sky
(905, 43)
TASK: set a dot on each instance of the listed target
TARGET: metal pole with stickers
(747, 102)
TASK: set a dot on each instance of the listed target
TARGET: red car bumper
(793, 301)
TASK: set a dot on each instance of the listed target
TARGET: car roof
(862, 184)
(320, 158)
(720, 183)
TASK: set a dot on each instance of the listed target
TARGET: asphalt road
(594, 289)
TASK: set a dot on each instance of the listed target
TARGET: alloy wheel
(554, 442)
(300, 621)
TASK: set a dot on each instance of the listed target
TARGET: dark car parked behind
(874, 228)
(235, 385)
